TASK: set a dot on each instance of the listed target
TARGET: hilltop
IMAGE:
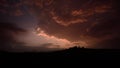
(74, 53)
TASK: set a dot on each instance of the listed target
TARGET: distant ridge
(73, 53)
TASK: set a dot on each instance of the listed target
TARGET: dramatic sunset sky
(46, 25)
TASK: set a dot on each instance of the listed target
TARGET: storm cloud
(8, 35)
(92, 22)
(9, 41)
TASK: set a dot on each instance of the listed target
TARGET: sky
(49, 25)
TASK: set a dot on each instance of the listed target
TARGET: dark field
(72, 54)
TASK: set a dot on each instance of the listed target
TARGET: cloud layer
(91, 21)
(9, 41)
(8, 34)
(85, 22)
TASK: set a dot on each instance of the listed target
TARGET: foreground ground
(66, 55)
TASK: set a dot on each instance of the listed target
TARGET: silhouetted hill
(74, 53)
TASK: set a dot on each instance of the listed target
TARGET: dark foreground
(72, 54)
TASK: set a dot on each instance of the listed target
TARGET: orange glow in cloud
(62, 42)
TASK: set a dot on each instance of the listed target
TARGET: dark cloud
(79, 11)
(74, 20)
(106, 27)
(96, 20)
(49, 45)
(112, 43)
(46, 47)
(8, 35)
(9, 42)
